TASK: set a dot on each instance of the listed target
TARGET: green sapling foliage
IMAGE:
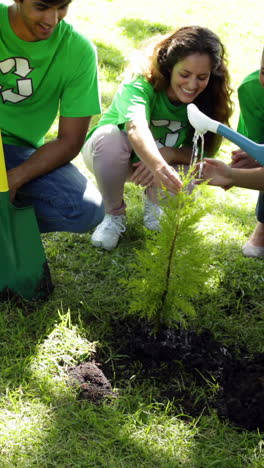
(174, 266)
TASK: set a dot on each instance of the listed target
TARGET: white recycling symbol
(24, 84)
(172, 136)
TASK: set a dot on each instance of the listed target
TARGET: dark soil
(178, 361)
(93, 384)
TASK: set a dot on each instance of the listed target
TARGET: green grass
(43, 424)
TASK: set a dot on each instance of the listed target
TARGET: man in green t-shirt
(46, 67)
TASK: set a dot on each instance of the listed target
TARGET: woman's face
(189, 78)
(261, 71)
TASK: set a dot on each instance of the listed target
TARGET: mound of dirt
(93, 384)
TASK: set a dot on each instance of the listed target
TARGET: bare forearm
(144, 145)
(248, 178)
(44, 160)
(56, 153)
(177, 155)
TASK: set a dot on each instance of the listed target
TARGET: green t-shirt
(168, 123)
(38, 78)
(251, 102)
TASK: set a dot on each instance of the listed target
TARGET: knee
(90, 222)
(87, 155)
(108, 144)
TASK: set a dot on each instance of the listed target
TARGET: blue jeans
(64, 200)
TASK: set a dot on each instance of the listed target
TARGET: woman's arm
(145, 147)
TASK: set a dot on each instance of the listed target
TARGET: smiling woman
(35, 20)
(145, 133)
(189, 78)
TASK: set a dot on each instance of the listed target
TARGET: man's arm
(180, 155)
(50, 156)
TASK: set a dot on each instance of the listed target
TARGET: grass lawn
(43, 424)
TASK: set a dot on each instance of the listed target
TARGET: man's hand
(217, 172)
(13, 178)
(242, 160)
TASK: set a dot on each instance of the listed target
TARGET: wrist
(234, 176)
(159, 166)
(18, 176)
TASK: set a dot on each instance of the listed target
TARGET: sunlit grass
(42, 422)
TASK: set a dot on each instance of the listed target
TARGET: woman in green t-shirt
(146, 131)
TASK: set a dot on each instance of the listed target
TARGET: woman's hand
(141, 175)
(141, 140)
(166, 176)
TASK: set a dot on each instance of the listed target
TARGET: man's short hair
(54, 2)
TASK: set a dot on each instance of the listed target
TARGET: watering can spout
(202, 124)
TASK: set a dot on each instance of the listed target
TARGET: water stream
(195, 151)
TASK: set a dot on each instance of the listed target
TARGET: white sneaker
(152, 214)
(107, 233)
(250, 250)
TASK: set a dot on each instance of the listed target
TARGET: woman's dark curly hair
(215, 99)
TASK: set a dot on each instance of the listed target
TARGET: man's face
(35, 20)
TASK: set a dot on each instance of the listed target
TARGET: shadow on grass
(129, 432)
(138, 30)
(81, 435)
(87, 281)
(111, 66)
(110, 57)
(132, 431)
(112, 62)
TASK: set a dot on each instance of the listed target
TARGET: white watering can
(203, 124)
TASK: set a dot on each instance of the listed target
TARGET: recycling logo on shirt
(23, 90)
(173, 128)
